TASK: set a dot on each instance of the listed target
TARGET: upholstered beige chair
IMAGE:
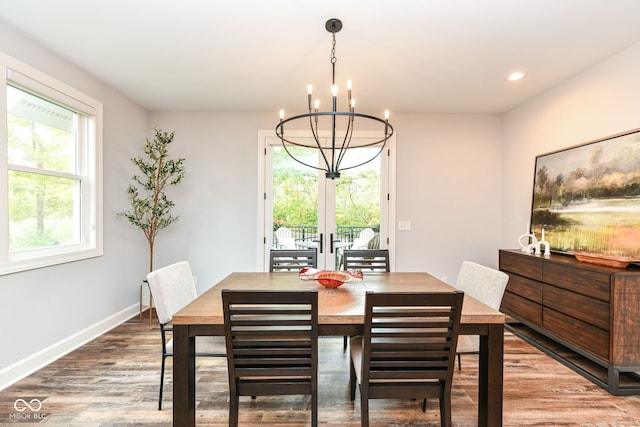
(485, 284)
(172, 288)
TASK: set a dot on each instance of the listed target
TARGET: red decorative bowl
(330, 278)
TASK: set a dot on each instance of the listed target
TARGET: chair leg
(459, 363)
(314, 409)
(424, 405)
(352, 380)
(161, 382)
(344, 345)
(445, 410)
(234, 401)
(364, 410)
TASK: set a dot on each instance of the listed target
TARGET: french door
(320, 213)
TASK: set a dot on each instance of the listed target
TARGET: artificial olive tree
(150, 208)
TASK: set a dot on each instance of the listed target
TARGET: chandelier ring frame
(280, 127)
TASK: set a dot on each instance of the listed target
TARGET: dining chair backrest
(172, 287)
(376, 260)
(272, 344)
(408, 348)
(482, 283)
(285, 238)
(485, 284)
(292, 260)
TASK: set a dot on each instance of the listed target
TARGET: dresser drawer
(521, 264)
(526, 288)
(589, 310)
(582, 335)
(580, 280)
(521, 308)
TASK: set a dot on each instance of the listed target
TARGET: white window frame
(90, 169)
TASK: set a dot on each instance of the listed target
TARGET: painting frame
(586, 198)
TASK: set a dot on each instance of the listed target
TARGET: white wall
(599, 102)
(43, 310)
(449, 187)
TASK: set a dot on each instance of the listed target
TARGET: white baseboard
(25, 367)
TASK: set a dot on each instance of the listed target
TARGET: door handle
(321, 242)
(331, 235)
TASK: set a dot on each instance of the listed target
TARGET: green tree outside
(295, 198)
(41, 206)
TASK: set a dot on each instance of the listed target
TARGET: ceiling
(445, 56)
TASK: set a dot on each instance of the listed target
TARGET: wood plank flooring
(113, 381)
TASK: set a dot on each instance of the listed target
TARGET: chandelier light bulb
(317, 103)
(348, 84)
(309, 91)
(386, 114)
(281, 114)
(334, 90)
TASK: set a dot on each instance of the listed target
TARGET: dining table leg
(184, 377)
(490, 381)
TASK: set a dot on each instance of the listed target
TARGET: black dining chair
(272, 345)
(408, 349)
(292, 260)
(367, 260)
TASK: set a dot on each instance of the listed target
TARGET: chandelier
(340, 123)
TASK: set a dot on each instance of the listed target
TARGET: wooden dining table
(340, 312)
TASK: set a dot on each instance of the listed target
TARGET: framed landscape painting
(587, 197)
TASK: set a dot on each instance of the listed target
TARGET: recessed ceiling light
(516, 75)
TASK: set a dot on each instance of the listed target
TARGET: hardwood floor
(113, 381)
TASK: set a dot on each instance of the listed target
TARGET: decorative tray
(330, 278)
(603, 259)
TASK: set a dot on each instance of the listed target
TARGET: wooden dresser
(591, 311)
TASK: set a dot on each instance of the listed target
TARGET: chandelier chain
(333, 60)
(333, 51)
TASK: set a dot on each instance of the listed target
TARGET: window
(50, 151)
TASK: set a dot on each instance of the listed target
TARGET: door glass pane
(358, 199)
(295, 194)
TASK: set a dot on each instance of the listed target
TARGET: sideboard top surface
(566, 259)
